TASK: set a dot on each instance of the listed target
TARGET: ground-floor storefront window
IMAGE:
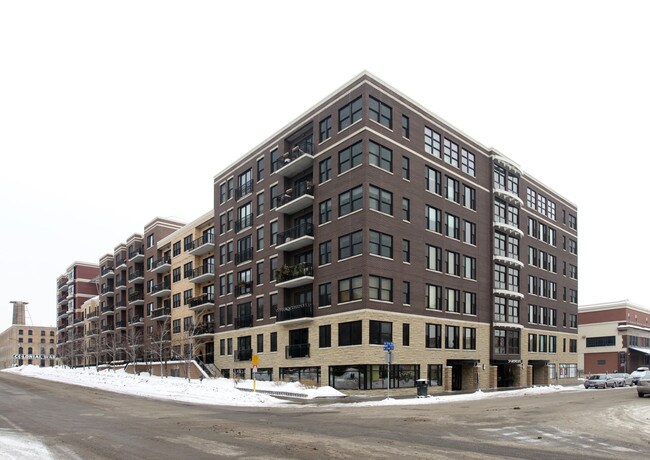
(568, 371)
(309, 375)
(373, 376)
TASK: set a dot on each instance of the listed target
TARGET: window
(573, 246)
(176, 274)
(467, 164)
(176, 326)
(176, 300)
(187, 295)
(433, 297)
(469, 303)
(573, 222)
(325, 336)
(350, 113)
(380, 156)
(260, 307)
(350, 157)
(325, 129)
(406, 131)
(260, 343)
(452, 337)
(469, 232)
(433, 180)
(453, 263)
(380, 112)
(381, 244)
(325, 253)
(606, 341)
(274, 233)
(450, 152)
(273, 305)
(406, 168)
(187, 323)
(150, 240)
(452, 227)
(431, 142)
(453, 300)
(187, 243)
(350, 333)
(532, 342)
(176, 248)
(259, 240)
(380, 200)
(325, 170)
(433, 219)
(380, 288)
(499, 309)
(350, 289)
(325, 211)
(259, 273)
(350, 244)
(531, 198)
(452, 189)
(260, 169)
(260, 203)
(380, 332)
(433, 335)
(325, 295)
(434, 258)
(406, 209)
(469, 197)
(469, 338)
(274, 341)
(406, 251)
(350, 201)
(406, 334)
(435, 375)
(406, 293)
(573, 345)
(469, 267)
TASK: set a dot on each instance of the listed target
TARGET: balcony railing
(136, 253)
(300, 350)
(244, 189)
(244, 321)
(201, 245)
(161, 289)
(120, 281)
(298, 159)
(202, 273)
(244, 355)
(202, 301)
(120, 324)
(161, 312)
(291, 194)
(244, 222)
(93, 314)
(106, 271)
(136, 319)
(243, 288)
(106, 327)
(295, 272)
(120, 304)
(203, 328)
(107, 289)
(296, 237)
(244, 256)
(161, 265)
(136, 275)
(63, 282)
(136, 296)
(305, 310)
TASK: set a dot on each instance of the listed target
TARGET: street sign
(389, 346)
(255, 360)
(254, 368)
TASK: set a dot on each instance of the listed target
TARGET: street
(78, 422)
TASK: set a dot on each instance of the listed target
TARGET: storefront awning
(538, 362)
(645, 351)
(463, 362)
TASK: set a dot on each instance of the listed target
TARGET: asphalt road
(77, 422)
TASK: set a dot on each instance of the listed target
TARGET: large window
(452, 337)
(381, 244)
(325, 253)
(350, 244)
(325, 129)
(350, 333)
(325, 170)
(433, 297)
(350, 157)
(469, 338)
(350, 201)
(380, 156)
(433, 336)
(380, 112)
(380, 332)
(325, 211)
(431, 142)
(350, 113)
(433, 219)
(452, 227)
(325, 336)
(380, 288)
(350, 289)
(606, 341)
(451, 152)
(325, 294)
(452, 189)
(468, 163)
(434, 258)
(433, 180)
(380, 200)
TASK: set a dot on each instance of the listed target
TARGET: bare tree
(134, 346)
(159, 344)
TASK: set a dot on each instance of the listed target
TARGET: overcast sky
(113, 113)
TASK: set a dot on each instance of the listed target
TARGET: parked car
(638, 373)
(623, 379)
(643, 384)
(600, 381)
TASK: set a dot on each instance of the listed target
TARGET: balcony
(244, 256)
(136, 298)
(244, 222)
(300, 350)
(107, 290)
(161, 314)
(509, 261)
(166, 337)
(295, 199)
(244, 321)
(244, 355)
(163, 289)
(108, 310)
(508, 228)
(136, 255)
(107, 272)
(201, 302)
(61, 312)
(161, 266)
(120, 282)
(202, 274)
(296, 237)
(298, 159)
(243, 288)
(120, 305)
(120, 325)
(120, 263)
(202, 245)
(203, 330)
(136, 276)
(62, 283)
(294, 276)
(93, 314)
(303, 311)
(511, 197)
(106, 328)
(92, 332)
(63, 299)
(508, 293)
(136, 320)
(244, 189)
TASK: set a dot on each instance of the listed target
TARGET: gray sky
(93, 94)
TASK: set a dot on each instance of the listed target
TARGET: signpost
(255, 360)
(388, 348)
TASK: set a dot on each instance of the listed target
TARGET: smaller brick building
(22, 344)
(613, 336)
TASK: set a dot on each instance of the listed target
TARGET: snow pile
(295, 388)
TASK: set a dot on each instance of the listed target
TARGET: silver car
(623, 379)
(600, 381)
(643, 385)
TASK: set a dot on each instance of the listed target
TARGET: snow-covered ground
(227, 392)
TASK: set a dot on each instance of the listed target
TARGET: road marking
(13, 425)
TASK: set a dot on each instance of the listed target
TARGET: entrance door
(456, 378)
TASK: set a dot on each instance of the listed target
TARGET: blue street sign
(389, 346)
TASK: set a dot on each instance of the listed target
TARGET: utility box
(422, 385)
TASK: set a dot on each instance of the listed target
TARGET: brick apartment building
(22, 344)
(614, 336)
(366, 220)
